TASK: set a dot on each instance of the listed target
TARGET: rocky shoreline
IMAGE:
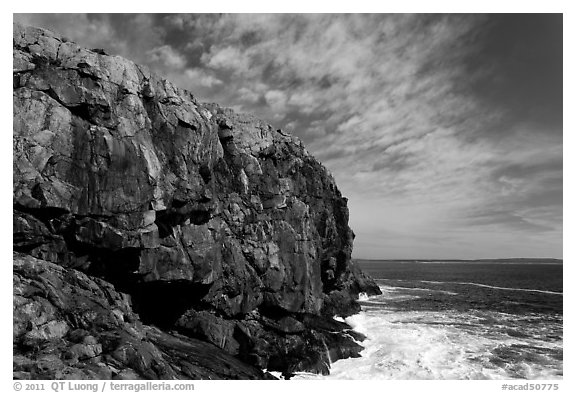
(157, 237)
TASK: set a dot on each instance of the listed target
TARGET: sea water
(458, 320)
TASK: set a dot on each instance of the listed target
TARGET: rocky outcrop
(68, 325)
(214, 225)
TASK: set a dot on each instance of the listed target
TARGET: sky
(443, 131)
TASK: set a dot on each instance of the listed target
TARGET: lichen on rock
(214, 224)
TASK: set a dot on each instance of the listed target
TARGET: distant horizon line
(457, 259)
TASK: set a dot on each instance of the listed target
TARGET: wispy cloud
(389, 103)
(166, 56)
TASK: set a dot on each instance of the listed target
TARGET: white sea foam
(362, 296)
(492, 286)
(445, 345)
(396, 293)
(389, 293)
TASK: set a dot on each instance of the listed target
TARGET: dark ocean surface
(459, 320)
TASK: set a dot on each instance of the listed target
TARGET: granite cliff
(159, 237)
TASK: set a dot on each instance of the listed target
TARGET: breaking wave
(426, 343)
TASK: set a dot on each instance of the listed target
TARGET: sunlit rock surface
(184, 216)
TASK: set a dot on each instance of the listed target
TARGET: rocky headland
(163, 238)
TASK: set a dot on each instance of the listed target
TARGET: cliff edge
(152, 231)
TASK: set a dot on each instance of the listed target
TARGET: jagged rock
(71, 326)
(207, 326)
(202, 215)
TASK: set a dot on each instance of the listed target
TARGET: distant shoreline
(539, 261)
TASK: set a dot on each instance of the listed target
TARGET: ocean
(458, 320)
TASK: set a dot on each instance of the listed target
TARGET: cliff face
(217, 226)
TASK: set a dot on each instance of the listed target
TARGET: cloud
(167, 56)
(227, 58)
(246, 94)
(391, 104)
(201, 77)
(277, 101)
